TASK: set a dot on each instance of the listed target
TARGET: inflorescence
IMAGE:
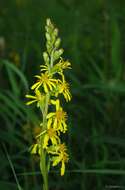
(49, 86)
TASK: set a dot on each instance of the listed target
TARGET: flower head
(39, 98)
(64, 89)
(51, 134)
(46, 81)
(58, 117)
(60, 156)
(60, 66)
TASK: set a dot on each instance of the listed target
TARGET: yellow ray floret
(46, 81)
(37, 98)
(51, 134)
(58, 117)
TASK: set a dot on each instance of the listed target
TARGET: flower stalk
(43, 164)
(48, 89)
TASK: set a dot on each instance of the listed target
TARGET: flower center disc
(60, 115)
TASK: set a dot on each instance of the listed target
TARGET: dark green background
(93, 37)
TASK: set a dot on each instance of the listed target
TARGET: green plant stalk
(43, 164)
(43, 169)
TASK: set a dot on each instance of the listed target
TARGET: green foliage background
(92, 33)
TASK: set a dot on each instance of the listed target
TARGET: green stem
(43, 168)
(43, 164)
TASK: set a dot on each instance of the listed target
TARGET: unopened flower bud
(57, 43)
(46, 28)
(60, 52)
(55, 32)
(57, 54)
(45, 57)
(48, 22)
(48, 36)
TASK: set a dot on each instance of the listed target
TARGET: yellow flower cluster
(49, 86)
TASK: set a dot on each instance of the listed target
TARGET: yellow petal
(64, 127)
(55, 124)
(37, 76)
(57, 105)
(54, 80)
(38, 93)
(60, 90)
(56, 160)
(43, 69)
(45, 87)
(44, 66)
(53, 102)
(35, 85)
(62, 168)
(31, 102)
(49, 123)
(52, 84)
(69, 96)
(45, 142)
(53, 140)
(50, 115)
(34, 149)
(30, 96)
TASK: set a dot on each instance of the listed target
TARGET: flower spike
(49, 85)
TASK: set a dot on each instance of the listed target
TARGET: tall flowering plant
(50, 85)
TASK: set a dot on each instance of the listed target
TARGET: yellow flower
(60, 155)
(64, 89)
(60, 66)
(64, 64)
(45, 80)
(37, 98)
(59, 117)
(57, 68)
(51, 135)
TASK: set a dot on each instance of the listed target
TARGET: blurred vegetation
(92, 33)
